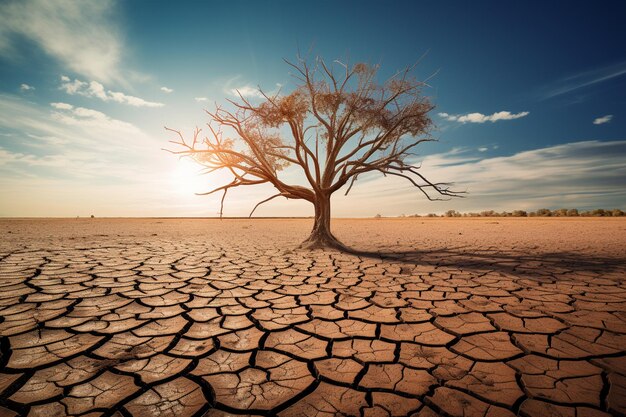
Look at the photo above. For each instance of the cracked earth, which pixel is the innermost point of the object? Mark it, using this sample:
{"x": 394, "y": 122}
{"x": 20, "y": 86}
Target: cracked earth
{"x": 450, "y": 317}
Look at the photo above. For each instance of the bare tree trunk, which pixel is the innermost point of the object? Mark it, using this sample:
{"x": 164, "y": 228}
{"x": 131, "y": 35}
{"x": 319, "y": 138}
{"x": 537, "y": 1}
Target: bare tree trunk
{"x": 321, "y": 236}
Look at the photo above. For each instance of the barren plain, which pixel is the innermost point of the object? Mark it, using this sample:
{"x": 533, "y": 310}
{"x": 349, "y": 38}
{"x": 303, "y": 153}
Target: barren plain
{"x": 434, "y": 316}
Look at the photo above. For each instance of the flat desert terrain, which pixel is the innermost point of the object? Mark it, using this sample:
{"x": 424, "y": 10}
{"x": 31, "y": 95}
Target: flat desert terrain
{"x": 466, "y": 317}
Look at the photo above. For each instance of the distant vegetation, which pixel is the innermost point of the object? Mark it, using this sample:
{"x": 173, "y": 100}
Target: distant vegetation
{"x": 522, "y": 213}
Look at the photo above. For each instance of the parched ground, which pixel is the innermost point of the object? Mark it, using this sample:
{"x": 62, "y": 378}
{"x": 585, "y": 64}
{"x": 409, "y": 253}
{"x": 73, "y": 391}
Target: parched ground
{"x": 453, "y": 317}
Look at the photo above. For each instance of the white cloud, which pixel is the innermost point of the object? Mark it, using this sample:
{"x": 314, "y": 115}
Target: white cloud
{"x": 89, "y": 118}
{"x": 81, "y": 35}
{"x": 246, "y": 91}
{"x": 97, "y": 90}
{"x": 167, "y": 90}
{"x": 483, "y": 149}
{"x": 481, "y": 118}
{"x": 26, "y": 87}
{"x": 62, "y": 106}
{"x": 603, "y": 119}
{"x": 131, "y": 100}
{"x": 72, "y": 87}
{"x": 201, "y": 99}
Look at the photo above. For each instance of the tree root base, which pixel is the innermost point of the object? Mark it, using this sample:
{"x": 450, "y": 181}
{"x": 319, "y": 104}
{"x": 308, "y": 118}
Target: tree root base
{"x": 316, "y": 241}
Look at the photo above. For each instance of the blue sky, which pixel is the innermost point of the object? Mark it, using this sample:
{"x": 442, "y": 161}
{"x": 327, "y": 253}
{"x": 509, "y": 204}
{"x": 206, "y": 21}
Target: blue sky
{"x": 531, "y": 109}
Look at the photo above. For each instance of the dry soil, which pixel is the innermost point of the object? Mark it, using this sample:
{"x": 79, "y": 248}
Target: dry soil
{"x": 193, "y": 317}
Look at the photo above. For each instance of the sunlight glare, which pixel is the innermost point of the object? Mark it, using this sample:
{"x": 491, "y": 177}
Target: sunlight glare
{"x": 187, "y": 177}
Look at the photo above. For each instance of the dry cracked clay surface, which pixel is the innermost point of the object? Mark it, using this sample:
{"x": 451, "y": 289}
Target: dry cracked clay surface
{"x": 192, "y": 317}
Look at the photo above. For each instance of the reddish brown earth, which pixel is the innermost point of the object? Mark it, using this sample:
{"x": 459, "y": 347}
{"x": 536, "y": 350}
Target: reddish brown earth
{"x": 453, "y": 317}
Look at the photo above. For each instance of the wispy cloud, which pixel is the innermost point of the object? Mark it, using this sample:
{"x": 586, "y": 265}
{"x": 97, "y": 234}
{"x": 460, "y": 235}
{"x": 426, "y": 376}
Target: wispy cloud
{"x": 582, "y": 80}
{"x": 81, "y": 116}
{"x": 481, "y": 118}
{"x": 63, "y": 132}
{"x": 26, "y": 87}
{"x": 236, "y": 86}
{"x": 45, "y": 141}
{"x": 30, "y": 160}
{"x": 167, "y": 90}
{"x": 578, "y": 174}
{"x": 201, "y": 99}
{"x": 97, "y": 90}
{"x": 65, "y": 160}
{"x": 246, "y": 91}
{"x": 81, "y": 35}
{"x": 602, "y": 120}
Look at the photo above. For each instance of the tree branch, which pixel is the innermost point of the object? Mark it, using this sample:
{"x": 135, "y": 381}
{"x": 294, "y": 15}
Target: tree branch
{"x": 265, "y": 201}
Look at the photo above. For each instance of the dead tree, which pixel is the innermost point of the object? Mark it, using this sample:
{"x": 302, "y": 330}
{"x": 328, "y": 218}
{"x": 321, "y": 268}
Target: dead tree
{"x": 337, "y": 125}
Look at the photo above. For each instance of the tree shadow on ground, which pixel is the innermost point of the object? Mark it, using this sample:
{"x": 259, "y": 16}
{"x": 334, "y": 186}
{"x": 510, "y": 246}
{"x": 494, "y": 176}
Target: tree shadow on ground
{"x": 509, "y": 262}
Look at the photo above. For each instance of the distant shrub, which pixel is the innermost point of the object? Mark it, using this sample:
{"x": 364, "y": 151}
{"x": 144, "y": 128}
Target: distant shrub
{"x": 544, "y": 212}
{"x": 560, "y": 212}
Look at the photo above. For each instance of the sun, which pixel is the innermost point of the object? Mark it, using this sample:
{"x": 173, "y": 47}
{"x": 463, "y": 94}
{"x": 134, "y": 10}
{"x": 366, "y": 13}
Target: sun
{"x": 187, "y": 177}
